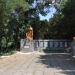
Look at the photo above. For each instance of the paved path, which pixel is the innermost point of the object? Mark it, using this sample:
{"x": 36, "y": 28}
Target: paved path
{"x": 37, "y": 64}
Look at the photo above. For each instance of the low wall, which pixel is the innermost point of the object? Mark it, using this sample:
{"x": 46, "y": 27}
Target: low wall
{"x": 51, "y": 44}
{"x": 47, "y": 44}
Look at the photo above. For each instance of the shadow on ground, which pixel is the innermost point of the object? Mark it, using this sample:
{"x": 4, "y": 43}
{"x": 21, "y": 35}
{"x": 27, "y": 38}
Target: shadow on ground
{"x": 65, "y": 64}
{"x": 54, "y": 50}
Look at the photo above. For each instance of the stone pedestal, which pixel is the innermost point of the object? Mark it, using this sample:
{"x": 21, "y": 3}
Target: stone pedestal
{"x": 26, "y": 46}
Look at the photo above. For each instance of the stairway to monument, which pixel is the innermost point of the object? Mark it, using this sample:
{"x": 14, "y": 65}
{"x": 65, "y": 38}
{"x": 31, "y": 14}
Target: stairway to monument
{"x": 27, "y": 46}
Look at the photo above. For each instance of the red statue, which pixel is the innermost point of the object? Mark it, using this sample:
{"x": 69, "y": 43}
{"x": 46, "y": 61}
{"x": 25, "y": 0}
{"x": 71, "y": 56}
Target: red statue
{"x": 29, "y": 33}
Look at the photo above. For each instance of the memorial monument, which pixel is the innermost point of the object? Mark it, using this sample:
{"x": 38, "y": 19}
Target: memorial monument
{"x": 27, "y": 43}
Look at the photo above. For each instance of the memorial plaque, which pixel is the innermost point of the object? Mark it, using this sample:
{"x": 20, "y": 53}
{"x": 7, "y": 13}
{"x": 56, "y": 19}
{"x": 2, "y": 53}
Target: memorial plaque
{"x": 26, "y": 46}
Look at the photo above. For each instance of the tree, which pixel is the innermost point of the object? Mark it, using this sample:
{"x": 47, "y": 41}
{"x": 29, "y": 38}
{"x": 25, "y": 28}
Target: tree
{"x": 11, "y": 13}
{"x": 2, "y": 18}
{"x": 63, "y": 22}
{"x": 69, "y": 18}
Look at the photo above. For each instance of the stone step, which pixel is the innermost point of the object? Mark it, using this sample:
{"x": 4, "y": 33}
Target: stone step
{"x": 25, "y": 50}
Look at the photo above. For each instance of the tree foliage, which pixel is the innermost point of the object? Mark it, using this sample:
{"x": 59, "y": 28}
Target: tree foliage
{"x": 63, "y": 22}
{"x": 69, "y": 18}
{"x": 12, "y": 23}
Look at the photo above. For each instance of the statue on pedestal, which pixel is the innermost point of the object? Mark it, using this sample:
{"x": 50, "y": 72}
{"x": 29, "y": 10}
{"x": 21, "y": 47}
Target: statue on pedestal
{"x": 29, "y": 34}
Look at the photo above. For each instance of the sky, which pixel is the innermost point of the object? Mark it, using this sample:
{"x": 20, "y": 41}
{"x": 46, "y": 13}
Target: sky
{"x": 49, "y": 15}
{"x": 50, "y": 12}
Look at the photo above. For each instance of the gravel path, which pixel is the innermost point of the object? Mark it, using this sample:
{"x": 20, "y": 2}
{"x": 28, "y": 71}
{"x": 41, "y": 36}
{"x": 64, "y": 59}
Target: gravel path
{"x": 37, "y": 64}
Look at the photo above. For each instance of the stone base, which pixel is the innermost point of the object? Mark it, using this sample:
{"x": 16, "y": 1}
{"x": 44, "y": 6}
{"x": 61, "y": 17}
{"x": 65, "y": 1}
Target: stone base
{"x": 27, "y": 46}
